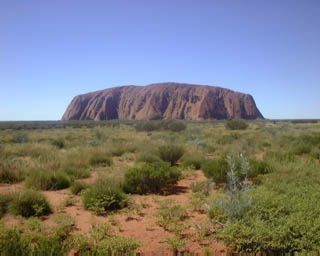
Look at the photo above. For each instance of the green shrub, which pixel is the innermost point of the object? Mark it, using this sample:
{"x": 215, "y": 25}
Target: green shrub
{"x": 58, "y": 142}
{"x": 148, "y": 158}
{"x": 258, "y": 167}
{"x": 147, "y": 126}
{"x": 29, "y": 203}
{"x": 150, "y": 178}
{"x": 77, "y": 187}
{"x": 216, "y": 169}
{"x": 175, "y": 126}
{"x": 19, "y": 241}
{"x": 236, "y": 125}
{"x": 20, "y": 138}
{"x": 116, "y": 245}
{"x": 100, "y": 160}
{"x": 42, "y": 180}
{"x": 77, "y": 173}
{"x": 170, "y": 216}
{"x": 5, "y": 199}
{"x": 170, "y": 153}
{"x": 192, "y": 160}
{"x": 202, "y": 187}
{"x": 106, "y": 195}
{"x": 10, "y": 172}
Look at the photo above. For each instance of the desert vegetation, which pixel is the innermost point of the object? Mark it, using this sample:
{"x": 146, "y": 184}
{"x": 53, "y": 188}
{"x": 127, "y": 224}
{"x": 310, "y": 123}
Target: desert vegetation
{"x": 118, "y": 188}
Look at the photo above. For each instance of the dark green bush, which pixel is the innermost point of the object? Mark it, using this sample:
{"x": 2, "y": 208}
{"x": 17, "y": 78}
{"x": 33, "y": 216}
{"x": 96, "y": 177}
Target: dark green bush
{"x": 77, "y": 187}
{"x": 170, "y": 153}
{"x": 99, "y": 160}
{"x": 216, "y": 169}
{"x": 236, "y": 125}
{"x": 29, "y": 203}
{"x": 42, "y": 180}
{"x": 106, "y": 195}
{"x": 147, "y": 126}
{"x": 174, "y": 125}
{"x": 150, "y": 178}
{"x": 58, "y": 142}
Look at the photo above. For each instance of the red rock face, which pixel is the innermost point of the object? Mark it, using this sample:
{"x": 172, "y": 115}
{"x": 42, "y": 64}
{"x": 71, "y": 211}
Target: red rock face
{"x": 162, "y": 101}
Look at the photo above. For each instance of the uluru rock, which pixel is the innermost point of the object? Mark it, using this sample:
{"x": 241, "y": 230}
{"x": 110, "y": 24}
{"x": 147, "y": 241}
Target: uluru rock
{"x": 163, "y": 101}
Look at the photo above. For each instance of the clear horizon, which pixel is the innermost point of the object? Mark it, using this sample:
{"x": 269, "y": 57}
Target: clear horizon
{"x": 51, "y": 51}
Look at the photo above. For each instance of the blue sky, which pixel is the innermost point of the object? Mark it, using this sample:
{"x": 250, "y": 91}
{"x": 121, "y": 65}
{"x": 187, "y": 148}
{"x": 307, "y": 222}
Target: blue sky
{"x": 53, "y": 50}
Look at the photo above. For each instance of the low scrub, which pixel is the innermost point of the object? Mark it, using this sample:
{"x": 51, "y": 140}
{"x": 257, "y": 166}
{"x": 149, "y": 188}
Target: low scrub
{"x": 105, "y": 195}
{"x": 78, "y": 187}
{"x": 150, "y": 178}
{"x": 41, "y": 180}
{"x": 170, "y": 153}
{"x": 5, "y": 199}
{"x": 29, "y": 203}
{"x": 165, "y": 125}
{"x": 236, "y": 125}
{"x": 10, "y": 172}
{"x": 192, "y": 160}
{"x": 216, "y": 169}
{"x": 102, "y": 160}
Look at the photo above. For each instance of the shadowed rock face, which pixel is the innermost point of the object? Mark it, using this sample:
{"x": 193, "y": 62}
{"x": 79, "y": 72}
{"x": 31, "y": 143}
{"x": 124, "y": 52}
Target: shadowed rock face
{"x": 162, "y": 101}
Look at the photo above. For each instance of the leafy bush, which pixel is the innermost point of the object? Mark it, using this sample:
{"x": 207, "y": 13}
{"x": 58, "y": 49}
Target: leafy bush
{"x": 216, "y": 169}
{"x": 29, "y": 203}
{"x": 236, "y": 125}
{"x": 102, "y": 160}
{"x": 150, "y": 178}
{"x": 42, "y": 180}
{"x": 170, "y": 153}
{"x": 106, "y": 195}
{"x": 77, "y": 187}
{"x": 5, "y": 199}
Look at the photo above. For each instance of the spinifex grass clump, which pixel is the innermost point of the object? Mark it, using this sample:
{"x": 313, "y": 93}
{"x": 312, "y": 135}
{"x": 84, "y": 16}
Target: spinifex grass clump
{"x": 29, "y": 203}
{"x": 42, "y": 180}
{"x": 78, "y": 187}
{"x": 11, "y": 171}
{"x": 105, "y": 195}
{"x": 150, "y": 178}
